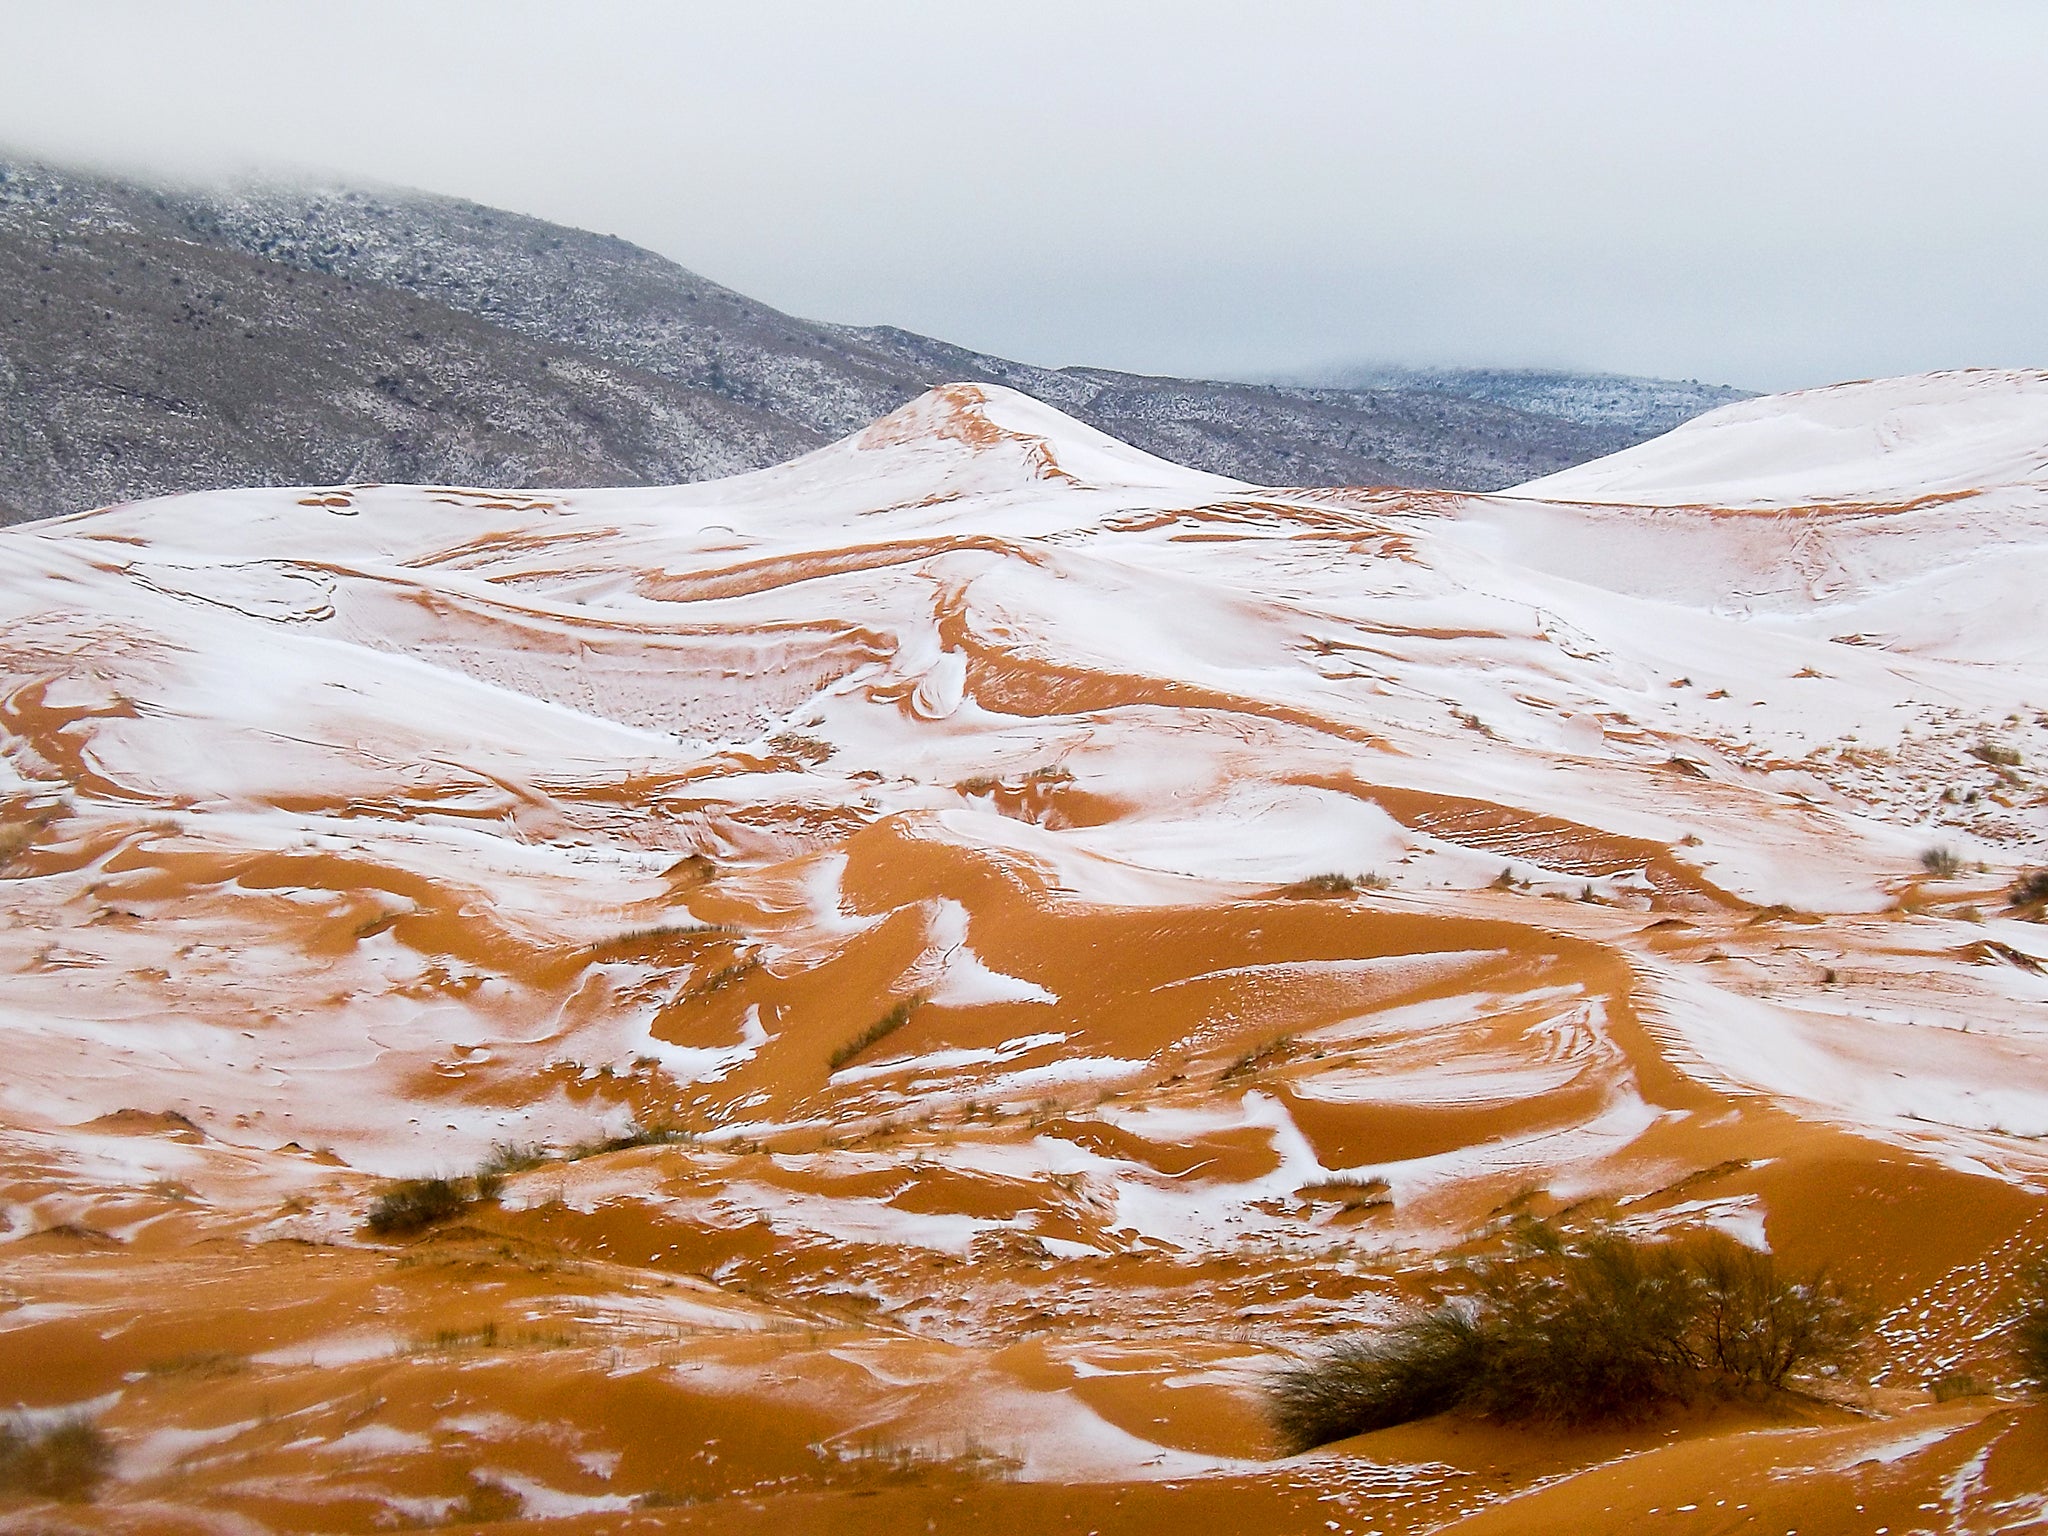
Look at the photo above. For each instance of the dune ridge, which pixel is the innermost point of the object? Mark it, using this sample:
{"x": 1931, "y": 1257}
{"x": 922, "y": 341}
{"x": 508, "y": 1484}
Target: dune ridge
{"x": 889, "y": 894}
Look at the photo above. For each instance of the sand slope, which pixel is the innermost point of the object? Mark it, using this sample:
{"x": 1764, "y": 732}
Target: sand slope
{"x": 923, "y": 836}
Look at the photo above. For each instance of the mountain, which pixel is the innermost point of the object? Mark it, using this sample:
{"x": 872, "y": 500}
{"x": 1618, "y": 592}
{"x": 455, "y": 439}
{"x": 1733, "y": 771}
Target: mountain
{"x": 955, "y": 958}
{"x": 1644, "y": 407}
{"x": 166, "y": 339}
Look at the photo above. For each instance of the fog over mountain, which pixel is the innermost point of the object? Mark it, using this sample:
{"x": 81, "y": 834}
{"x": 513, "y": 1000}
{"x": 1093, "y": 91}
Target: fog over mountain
{"x": 167, "y": 339}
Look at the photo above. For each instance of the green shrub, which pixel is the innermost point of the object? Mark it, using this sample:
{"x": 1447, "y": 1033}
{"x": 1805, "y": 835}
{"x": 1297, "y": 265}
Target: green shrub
{"x": 875, "y": 1033}
{"x": 2030, "y": 1328}
{"x": 1942, "y": 863}
{"x": 1332, "y": 884}
{"x": 65, "y": 1460}
{"x": 1415, "y": 1370}
{"x": 632, "y": 1136}
{"x": 2030, "y": 889}
{"x": 512, "y": 1157}
{"x": 411, "y": 1205}
{"x": 1602, "y": 1328}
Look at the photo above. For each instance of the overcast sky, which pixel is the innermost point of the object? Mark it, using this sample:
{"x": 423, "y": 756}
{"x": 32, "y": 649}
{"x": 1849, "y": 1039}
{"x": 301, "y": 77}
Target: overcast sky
{"x": 1770, "y": 194}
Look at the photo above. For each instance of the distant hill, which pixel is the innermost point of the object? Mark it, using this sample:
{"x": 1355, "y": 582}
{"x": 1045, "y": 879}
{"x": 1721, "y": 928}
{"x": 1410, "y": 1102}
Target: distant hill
{"x": 161, "y": 339}
{"x": 1645, "y": 406}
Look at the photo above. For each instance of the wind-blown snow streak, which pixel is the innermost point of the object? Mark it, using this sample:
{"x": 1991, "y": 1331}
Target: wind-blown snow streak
{"x": 931, "y": 829}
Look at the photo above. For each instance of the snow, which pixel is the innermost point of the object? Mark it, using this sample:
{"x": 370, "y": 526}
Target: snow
{"x": 346, "y": 789}
{"x": 1879, "y": 440}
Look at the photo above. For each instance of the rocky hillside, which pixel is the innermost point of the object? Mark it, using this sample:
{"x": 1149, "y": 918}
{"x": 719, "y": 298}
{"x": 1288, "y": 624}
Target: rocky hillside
{"x": 168, "y": 339}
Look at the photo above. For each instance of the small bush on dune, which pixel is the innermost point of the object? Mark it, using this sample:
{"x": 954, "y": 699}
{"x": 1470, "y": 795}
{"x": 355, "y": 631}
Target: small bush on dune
{"x": 513, "y": 1157}
{"x": 61, "y": 1461}
{"x": 632, "y": 1136}
{"x": 1605, "y": 1327}
{"x": 2031, "y": 889}
{"x": 411, "y": 1205}
{"x": 875, "y": 1033}
{"x": 1942, "y": 863}
{"x": 2030, "y": 1328}
{"x": 1414, "y": 1370}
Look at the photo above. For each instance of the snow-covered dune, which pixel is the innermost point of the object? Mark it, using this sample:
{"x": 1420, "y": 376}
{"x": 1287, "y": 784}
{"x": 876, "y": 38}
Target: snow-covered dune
{"x": 1883, "y": 440}
{"x": 1079, "y": 926}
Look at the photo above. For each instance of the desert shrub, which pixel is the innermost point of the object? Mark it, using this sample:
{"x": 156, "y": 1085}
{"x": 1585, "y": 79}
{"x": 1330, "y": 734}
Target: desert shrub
{"x": 1942, "y": 863}
{"x": 1353, "y": 1191}
{"x": 488, "y": 1501}
{"x": 512, "y": 1157}
{"x": 2030, "y": 1328}
{"x": 1323, "y": 885}
{"x": 1757, "y": 1328}
{"x": 1998, "y": 756}
{"x": 2030, "y": 889}
{"x": 805, "y": 749}
{"x": 632, "y": 1136}
{"x": 659, "y": 935}
{"x": 875, "y": 1033}
{"x": 1260, "y": 1057}
{"x": 1573, "y": 1334}
{"x": 1605, "y": 1327}
{"x": 1414, "y": 1370}
{"x": 410, "y": 1205}
{"x": 65, "y": 1460}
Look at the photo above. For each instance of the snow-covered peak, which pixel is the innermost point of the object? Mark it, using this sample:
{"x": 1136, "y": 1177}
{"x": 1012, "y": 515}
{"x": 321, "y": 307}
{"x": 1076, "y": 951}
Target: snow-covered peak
{"x": 1877, "y": 440}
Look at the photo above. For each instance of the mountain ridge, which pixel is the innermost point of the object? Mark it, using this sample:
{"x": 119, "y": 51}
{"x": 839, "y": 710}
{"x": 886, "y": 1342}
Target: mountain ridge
{"x": 174, "y": 339}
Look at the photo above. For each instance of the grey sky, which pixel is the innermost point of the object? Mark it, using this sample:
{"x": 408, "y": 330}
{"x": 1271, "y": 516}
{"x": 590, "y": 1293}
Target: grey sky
{"x": 1768, "y": 194}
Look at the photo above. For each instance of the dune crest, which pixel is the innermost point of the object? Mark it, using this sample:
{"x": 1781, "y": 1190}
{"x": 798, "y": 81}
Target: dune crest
{"x": 955, "y": 953}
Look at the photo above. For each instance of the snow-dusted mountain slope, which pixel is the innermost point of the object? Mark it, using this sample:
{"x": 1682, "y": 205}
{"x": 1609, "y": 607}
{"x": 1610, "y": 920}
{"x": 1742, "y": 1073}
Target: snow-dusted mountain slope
{"x": 175, "y": 338}
{"x": 937, "y": 838}
{"x": 1647, "y": 406}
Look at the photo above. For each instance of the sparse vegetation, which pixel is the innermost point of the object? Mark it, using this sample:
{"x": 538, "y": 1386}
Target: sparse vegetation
{"x": 487, "y": 1502}
{"x": 875, "y": 1033}
{"x": 1259, "y": 1056}
{"x": 1322, "y": 885}
{"x": 1335, "y": 884}
{"x": 413, "y": 1205}
{"x": 805, "y": 749}
{"x": 483, "y": 1336}
{"x": 512, "y": 1157}
{"x": 1574, "y": 1331}
{"x": 203, "y": 1365}
{"x": 1353, "y": 1191}
{"x": 65, "y": 1460}
{"x": 2030, "y": 890}
{"x": 632, "y": 1136}
{"x": 2030, "y": 1328}
{"x": 1942, "y": 863}
{"x": 657, "y": 935}
{"x": 1999, "y": 757}
{"x": 724, "y": 977}
{"x": 988, "y": 784}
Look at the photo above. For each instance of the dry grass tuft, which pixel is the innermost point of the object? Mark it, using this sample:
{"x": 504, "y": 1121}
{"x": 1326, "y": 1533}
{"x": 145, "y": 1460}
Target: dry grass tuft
{"x": 875, "y": 1033}
{"x": 65, "y": 1460}
{"x": 2030, "y": 1328}
{"x": 1605, "y": 1327}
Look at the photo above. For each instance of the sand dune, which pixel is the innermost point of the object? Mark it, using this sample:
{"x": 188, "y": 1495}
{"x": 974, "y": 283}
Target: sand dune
{"x": 924, "y": 837}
